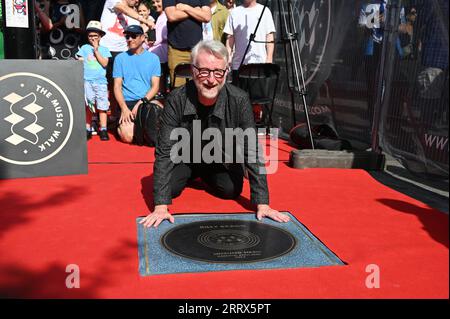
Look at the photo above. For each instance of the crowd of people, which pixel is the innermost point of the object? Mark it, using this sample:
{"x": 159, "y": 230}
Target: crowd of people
{"x": 119, "y": 72}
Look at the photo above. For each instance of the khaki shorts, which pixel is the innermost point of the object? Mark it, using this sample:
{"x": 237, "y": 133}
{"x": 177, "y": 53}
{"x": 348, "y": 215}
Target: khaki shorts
{"x": 175, "y": 57}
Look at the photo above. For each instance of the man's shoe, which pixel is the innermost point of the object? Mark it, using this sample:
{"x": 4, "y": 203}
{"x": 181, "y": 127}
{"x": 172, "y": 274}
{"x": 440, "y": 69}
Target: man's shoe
{"x": 88, "y": 135}
{"x": 103, "y": 135}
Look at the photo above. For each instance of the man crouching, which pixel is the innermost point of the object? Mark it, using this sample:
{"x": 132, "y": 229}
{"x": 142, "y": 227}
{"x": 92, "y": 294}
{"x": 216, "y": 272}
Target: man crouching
{"x": 205, "y": 104}
{"x": 136, "y": 75}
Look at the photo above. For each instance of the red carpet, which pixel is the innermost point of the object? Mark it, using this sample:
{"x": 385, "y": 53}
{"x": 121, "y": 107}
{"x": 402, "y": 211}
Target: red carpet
{"x": 49, "y": 223}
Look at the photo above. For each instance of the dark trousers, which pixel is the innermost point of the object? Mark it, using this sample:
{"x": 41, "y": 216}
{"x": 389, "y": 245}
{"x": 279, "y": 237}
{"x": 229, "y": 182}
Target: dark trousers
{"x": 222, "y": 182}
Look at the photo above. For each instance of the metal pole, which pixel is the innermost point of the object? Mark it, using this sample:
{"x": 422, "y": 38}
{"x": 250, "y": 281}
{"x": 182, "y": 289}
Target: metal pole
{"x": 389, "y": 38}
{"x": 299, "y": 79}
{"x": 282, "y": 32}
{"x": 302, "y": 88}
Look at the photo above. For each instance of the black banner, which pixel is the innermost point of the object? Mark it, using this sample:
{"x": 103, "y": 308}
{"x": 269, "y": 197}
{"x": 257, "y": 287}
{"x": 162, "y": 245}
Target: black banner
{"x": 315, "y": 25}
{"x": 42, "y": 116}
{"x": 415, "y": 109}
{"x": 2, "y": 47}
{"x": 18, "y": 27}
{"x": 340, "y": 46}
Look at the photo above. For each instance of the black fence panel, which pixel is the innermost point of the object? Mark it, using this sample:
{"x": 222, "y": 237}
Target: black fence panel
{"x": 332, "y": 57}
{"x": 358, "y": 56}
{"x": 414, "y": 112}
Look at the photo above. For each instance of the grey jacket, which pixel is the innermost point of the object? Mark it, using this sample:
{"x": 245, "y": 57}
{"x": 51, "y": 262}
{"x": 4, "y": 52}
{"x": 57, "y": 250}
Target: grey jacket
{"x": 232, "y": 110}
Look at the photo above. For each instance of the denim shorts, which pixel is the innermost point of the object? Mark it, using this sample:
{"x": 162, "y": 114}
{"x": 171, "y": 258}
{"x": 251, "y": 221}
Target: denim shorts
{"x": 96, "y": 95}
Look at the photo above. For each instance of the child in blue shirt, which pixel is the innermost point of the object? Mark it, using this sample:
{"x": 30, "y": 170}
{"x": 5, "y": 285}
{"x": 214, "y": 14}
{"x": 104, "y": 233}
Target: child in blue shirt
{"x": 95, "y": 60}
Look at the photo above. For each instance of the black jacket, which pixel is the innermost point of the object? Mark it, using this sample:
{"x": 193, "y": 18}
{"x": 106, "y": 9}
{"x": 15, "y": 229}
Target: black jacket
{"x": 232, "y": 110}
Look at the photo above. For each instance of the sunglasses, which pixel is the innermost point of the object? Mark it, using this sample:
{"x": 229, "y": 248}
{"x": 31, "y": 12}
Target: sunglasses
{"x": 132, "y": 36}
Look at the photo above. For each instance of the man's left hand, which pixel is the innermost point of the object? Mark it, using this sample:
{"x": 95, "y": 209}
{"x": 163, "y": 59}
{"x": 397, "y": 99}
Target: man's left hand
{"x": 136, "y": 108}
{"x": 265, "y": 211}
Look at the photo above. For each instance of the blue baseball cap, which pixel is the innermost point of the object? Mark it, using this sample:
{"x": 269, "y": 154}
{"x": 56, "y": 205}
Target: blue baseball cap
{"x": 136, "y": 29}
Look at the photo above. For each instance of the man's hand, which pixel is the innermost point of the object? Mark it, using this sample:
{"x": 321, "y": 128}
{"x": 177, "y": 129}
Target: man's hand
{"x": 135, "y": 108}
{"x": 182, "y": 6}
{"x": 160, "y": 213}
{"x": 265, "y": 211}
{"x": 200, "y": 14}
{"x": 126, "y": 116}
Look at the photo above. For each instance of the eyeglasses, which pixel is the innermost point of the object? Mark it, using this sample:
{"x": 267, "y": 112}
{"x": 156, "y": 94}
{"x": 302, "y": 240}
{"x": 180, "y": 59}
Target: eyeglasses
{"x": 132, "y": 36}
{"x": 204, "y": 72}
{"x": 93, "y": 36}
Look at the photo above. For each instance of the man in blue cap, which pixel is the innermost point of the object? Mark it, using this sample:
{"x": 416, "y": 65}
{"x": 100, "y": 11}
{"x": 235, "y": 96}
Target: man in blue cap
{"x": 136, "y": 75}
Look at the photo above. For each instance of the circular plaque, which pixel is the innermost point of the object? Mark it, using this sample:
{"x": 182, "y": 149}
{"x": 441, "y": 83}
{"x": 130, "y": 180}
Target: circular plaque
{"x": 228, "y": 241}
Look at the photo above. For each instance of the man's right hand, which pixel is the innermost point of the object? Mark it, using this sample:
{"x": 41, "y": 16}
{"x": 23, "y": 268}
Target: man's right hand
{"x": 160, "y": 213}
{"x": 126, "y": 116}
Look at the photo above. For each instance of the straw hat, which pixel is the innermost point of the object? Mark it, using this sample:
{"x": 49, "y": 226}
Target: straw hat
{"x": 95, "y": 26}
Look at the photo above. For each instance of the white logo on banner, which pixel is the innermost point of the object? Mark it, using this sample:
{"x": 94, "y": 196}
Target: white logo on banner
{"x": 72, "y": 13}
{"x": 40, "y": 118}
{"x": 314, "y": 30}
{"x": 23, "y": 119}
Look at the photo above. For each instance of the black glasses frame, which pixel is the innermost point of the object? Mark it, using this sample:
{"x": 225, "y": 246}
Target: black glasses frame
{"x": 204, "y": 72}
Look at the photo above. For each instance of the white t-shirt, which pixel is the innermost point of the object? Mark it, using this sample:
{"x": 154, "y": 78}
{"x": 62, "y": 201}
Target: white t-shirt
{"x": 114, "y": 24}
{"x": 241, "y": 24}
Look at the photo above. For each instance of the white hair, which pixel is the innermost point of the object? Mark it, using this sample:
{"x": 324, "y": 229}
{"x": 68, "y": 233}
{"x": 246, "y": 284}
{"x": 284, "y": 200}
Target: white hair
{"x": 211, "y": 46}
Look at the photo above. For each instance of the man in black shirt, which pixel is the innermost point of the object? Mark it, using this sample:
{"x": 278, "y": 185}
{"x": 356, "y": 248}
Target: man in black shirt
{"x": 184, "y": 29}
{"x": 202, "y": 113}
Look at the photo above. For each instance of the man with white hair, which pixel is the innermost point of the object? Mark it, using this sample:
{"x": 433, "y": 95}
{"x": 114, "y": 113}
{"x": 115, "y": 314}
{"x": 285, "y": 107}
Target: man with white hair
{"x": 208, "y": 104}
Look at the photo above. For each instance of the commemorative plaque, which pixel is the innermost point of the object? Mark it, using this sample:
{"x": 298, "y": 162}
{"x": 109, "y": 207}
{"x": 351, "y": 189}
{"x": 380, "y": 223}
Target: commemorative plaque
{"x": 228, "y": 241}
